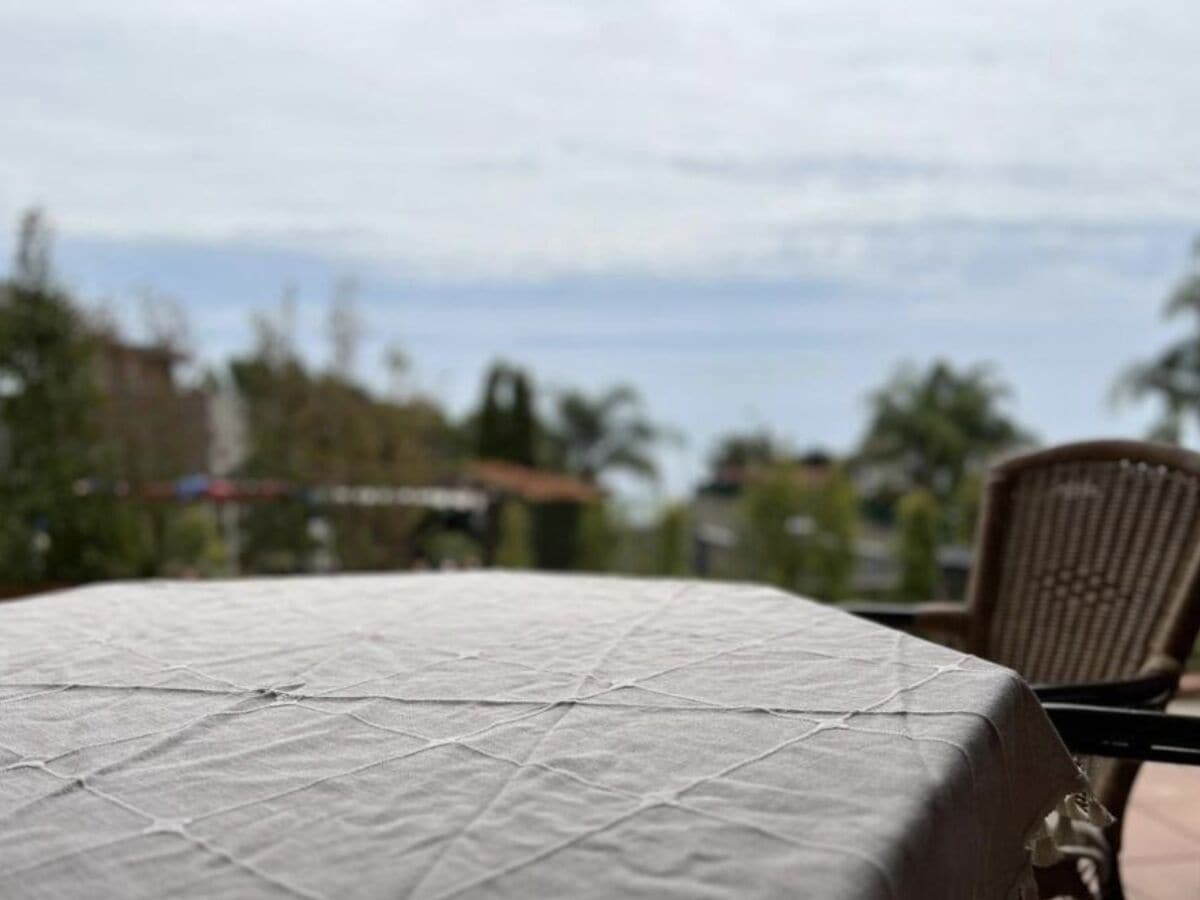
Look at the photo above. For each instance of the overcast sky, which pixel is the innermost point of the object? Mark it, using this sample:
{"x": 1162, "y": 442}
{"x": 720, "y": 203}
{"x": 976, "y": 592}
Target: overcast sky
{"x": 752, "y": 211}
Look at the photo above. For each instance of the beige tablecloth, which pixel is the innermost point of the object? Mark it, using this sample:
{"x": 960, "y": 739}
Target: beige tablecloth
{"x": 504, "y": 735}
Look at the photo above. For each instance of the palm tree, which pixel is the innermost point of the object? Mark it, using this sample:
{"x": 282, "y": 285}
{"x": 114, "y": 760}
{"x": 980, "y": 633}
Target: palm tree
{"x": 1174, "y": 375}
{"x": 931, "y": 428}
{"x": 599, "y": 434}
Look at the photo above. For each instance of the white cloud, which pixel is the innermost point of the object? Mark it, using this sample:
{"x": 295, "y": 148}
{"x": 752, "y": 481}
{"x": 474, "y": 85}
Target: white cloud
{"x": 489, "y": 139}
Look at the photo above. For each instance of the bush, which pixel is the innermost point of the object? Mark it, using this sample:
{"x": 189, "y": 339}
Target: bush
{"x": 192, "y": 543}
{"x": 670, "y": 542}
{"x": 830, "y": 559}
{"x": 772, "y": 503}
{"x": 597, "y": 539}
{"x": 919, "y": 519}
{"x": 515, "y": 548}
{"x": 802, "y": 534}
{"x": 968, "y": 503}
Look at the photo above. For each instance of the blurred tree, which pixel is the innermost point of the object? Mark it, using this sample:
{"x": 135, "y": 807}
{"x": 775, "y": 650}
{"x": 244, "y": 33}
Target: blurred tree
{"x": 345, "y": 328}
{"x": 833, "y": 506}
{"x": 32, "y": 267}
{"x": 929, "y": 428}
{"x": 49, "y": 402}
{"x": 593, "y": 436}
{"x": 746, "y": 449}
{"x": 598, "y": 538}
{"x": 275, "y": 331}
{"x": 450, "y": 548}
{"x": 399, "y": 367}
{"x": 274, "y": 538}
{"x": 671, "y": 541}
{"x": 165, "y": 323}
{"x": 966, "y": 508}
{"x": 774, "y": 505}
{"x": 801, "y": 528}
{"x": 917, "y": 543}
{"x": 515, "y": 547}
{"x": 193, "y": 544}
{"x": 274, "y": 386}
{"x": 325, "y": 428}
{"x": 1172, "y": 377}
{"x": 524, "y": 428}
{"x": 507, "y": 424}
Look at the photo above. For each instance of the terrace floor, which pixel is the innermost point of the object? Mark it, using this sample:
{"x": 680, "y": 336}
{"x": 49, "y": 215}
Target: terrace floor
{"x": 1160, "y": 859}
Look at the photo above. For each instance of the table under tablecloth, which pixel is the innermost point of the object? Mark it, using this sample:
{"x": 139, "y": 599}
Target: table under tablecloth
{"x": 505, "y": 735}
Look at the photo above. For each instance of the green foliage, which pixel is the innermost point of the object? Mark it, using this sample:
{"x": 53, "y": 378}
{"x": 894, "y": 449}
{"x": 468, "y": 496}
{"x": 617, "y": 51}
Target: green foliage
{"x": 917, "y": 543}
{"x": 275, "y": 538}
{"x": 773, "y": 504}
{"x": 593, "y": 436}
{"x": 801, "y": 531}
{"x": 1173, "y": 376}
{"x": 671, "y": 541}
{"x": 192, "y": 543}
{"x": 966, "y": 508}
{"x": 833, "y": 506}
{"x": 451, "y": 548}
{"x": 508, "y": 428}
{"x": 598, "y": 538}
{"x": 48, "y": 403}
{"x": 514, "y": 549}
{"x": 524, "y": 424}
{"x": 322, "y": 428}
{"x": 746, "y": 449}
{"x": 33, "y": 268}
{"x": 929, "y": 429}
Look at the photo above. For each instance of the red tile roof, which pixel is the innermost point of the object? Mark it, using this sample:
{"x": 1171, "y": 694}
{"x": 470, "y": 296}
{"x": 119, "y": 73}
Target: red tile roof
{"x": 533, "y": 485}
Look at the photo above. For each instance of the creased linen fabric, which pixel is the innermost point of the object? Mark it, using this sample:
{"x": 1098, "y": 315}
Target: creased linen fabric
{"x": 504, "y": 735}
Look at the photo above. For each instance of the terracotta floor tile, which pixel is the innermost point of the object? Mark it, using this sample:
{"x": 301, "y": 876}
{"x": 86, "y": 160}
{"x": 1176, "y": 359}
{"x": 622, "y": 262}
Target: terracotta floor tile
{"x": 1163, "y": 880}
{"x": 1148, "y": 837}
{"x": 1161, "y": 855}
{"x": 1172, "y": 795}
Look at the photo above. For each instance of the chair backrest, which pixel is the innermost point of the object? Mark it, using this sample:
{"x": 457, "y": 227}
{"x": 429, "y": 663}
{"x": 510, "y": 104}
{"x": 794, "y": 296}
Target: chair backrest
{"x": 1088, "y": 568}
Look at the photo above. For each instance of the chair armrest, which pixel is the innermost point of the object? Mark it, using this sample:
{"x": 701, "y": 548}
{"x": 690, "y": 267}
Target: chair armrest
{"x": 1127, "y": 733}
{"x": 936, "y": 618}
{"x": 1150, "y": 691}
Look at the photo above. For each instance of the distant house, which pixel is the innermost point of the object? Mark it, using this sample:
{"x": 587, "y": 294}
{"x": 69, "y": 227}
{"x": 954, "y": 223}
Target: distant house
{"x": 530, "y": 484}
{"x": 136, "y": 369}
{"x": 156, "y": 427}
{"x": 555, "y": 501}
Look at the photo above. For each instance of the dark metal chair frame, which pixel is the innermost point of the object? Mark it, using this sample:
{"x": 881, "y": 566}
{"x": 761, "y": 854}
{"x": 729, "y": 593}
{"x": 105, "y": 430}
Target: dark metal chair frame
{"x": 1127, "y": 733}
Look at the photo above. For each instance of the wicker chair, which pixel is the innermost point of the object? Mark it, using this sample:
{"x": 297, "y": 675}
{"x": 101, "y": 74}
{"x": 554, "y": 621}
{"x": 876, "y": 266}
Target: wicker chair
{"x": 1087, "y": 582}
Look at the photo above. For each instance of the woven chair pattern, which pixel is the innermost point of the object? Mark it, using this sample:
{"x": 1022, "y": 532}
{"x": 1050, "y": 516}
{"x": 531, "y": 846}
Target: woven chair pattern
{"x": 1088, "y": 568}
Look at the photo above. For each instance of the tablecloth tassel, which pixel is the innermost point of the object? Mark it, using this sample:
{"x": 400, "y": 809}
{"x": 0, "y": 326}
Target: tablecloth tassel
{"x": 1083, "y": 807}
{"x": 1057, "y": 828}
{"x": 1043, "y": 847}
{"x": 1064, "y": 830}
